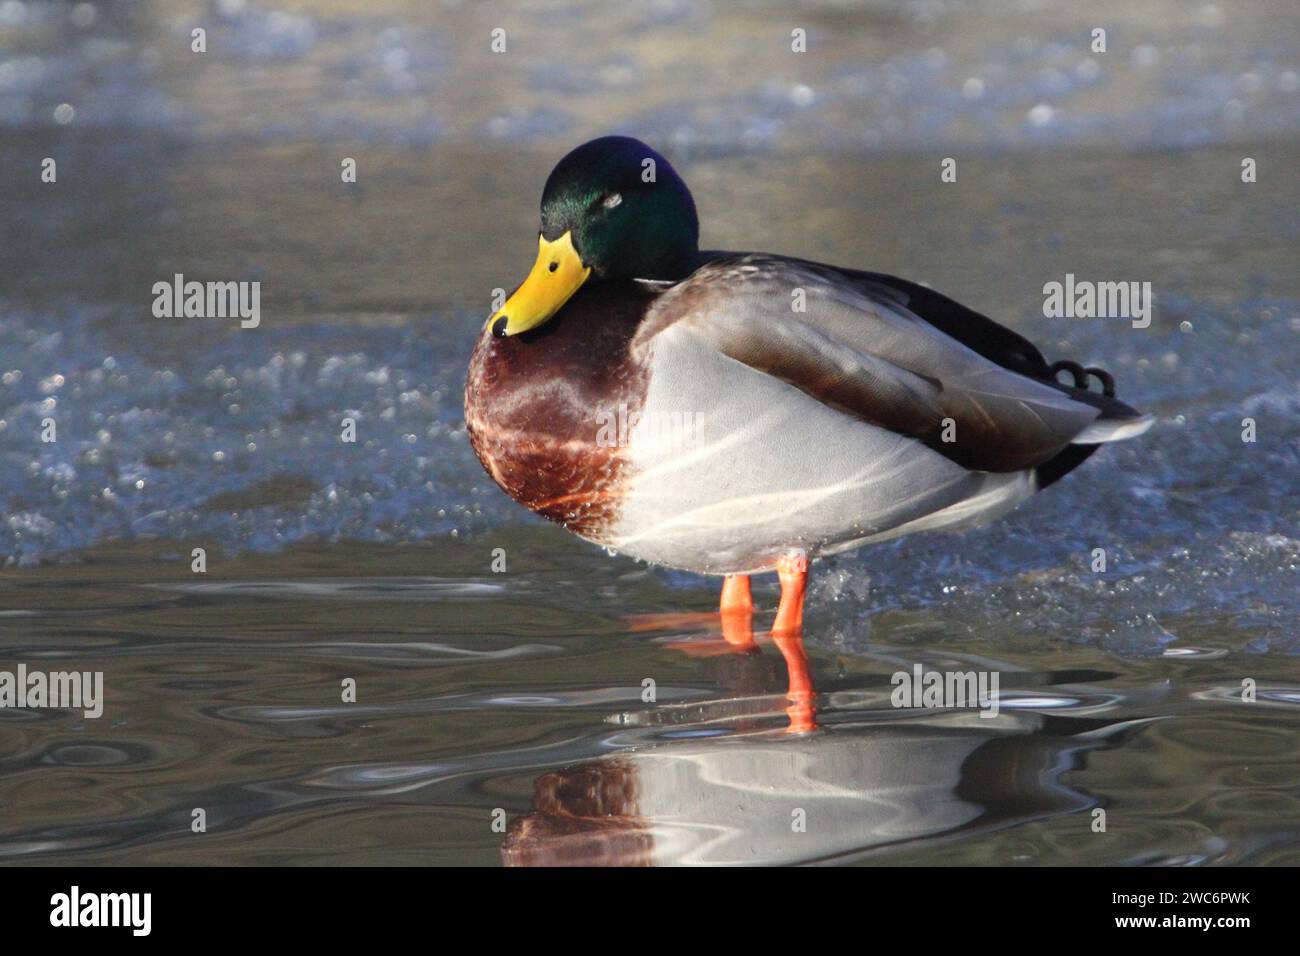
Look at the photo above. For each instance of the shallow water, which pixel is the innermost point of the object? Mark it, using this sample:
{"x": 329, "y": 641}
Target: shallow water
{"x": 522, "y": 691}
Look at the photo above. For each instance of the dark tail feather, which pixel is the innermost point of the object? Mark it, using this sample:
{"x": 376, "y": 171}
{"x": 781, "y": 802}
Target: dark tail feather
{"x": 1066, "y": 460}
{"x": 1072, "y": 456}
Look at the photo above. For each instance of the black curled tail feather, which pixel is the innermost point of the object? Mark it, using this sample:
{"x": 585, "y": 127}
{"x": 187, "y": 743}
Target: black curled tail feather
{"x": 1072, "y": 456}
{"x": 1081, "y": 376}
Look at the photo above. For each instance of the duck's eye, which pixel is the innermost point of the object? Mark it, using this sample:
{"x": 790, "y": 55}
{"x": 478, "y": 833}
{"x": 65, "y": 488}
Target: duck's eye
{"x": 612, "y": 200}
{"x": 553, "y": 266}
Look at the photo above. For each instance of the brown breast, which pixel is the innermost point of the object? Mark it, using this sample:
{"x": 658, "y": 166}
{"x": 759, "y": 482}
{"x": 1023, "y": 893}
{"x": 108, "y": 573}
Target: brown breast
{"x": 539, "y": 407}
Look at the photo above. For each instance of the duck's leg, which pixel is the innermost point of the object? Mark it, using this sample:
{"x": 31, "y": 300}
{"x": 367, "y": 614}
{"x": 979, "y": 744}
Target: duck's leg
{"x": 736, "y": 595}
{"x": 737, "y": 611}
{"x": 792, "y": 570}
{"x": 787, "y": 635}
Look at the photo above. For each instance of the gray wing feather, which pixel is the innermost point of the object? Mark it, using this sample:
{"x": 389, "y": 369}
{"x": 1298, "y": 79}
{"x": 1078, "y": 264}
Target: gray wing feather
{"x": 857, "y": 348}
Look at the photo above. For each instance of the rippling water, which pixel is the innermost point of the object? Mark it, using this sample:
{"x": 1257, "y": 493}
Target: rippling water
{"x": 501, "y": 716}
{"x": 524, "y": 693}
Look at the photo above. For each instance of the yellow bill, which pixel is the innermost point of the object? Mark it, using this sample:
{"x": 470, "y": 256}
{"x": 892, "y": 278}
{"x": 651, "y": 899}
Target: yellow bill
{"x": 557, "y": 274}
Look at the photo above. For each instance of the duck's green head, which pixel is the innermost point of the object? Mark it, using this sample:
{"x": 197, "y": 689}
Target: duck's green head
{"x": 612, "y": 209}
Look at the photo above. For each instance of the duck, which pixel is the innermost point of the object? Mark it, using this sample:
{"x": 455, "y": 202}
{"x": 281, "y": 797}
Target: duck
{"x": 737, "y": 413}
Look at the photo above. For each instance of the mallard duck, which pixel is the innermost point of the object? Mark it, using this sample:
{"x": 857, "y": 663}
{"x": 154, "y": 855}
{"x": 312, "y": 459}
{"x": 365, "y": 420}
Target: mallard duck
{"x": 733, "y": 413}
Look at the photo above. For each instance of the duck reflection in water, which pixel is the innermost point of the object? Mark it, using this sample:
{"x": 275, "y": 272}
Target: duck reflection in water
{"x": 871, "y": 778}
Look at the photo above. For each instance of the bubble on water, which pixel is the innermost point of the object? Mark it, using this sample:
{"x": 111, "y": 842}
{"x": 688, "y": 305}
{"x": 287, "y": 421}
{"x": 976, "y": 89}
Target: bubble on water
{"x": 1041, "y": 115}
{"x": 802, "y": 94}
